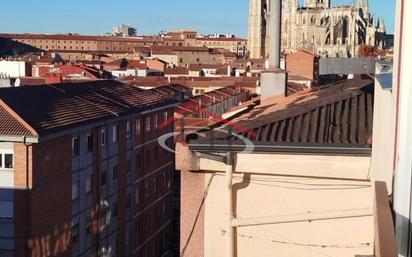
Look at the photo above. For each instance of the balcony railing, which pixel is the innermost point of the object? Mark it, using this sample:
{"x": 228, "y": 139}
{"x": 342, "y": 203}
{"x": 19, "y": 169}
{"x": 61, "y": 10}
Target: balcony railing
{"x": 385, "y": 242}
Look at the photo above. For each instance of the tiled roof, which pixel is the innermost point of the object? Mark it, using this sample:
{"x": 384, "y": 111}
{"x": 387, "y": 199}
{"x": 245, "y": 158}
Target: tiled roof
{"x": 48, "y": 109}
{"x": 236, "y": 39}
{"x": 337, "y": 114}
{"x": 176, "y": 71}
{"x": 11, "y": 126}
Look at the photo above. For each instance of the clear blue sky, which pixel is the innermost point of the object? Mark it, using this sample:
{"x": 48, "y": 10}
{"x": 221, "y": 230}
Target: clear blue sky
{"x": 150, "y": 17}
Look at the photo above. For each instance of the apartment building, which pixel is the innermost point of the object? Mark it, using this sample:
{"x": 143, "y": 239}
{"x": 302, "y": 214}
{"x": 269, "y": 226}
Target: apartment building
{"x": 82, "y": 173}
{"x": 232, "y": 44}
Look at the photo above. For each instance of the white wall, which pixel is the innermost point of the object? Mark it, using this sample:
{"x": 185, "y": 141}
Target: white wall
{"x": 14, "y": 69}
{"x": 403, "y": 90}
{"x": 6, "y": 175}
{"x": 272, "y": 190}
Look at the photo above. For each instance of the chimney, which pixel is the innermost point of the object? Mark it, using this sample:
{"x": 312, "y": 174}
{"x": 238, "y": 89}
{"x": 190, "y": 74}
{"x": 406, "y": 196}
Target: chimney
{"x": 274, "y": 79}
{"x": 229, "y": 70}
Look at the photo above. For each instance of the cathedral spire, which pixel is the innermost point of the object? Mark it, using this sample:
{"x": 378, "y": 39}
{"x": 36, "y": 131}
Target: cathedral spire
{"x": 381, "y": 27}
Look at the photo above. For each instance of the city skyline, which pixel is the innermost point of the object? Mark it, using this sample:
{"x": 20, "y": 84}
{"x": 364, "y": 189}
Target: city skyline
{"x": 149, "y": 18}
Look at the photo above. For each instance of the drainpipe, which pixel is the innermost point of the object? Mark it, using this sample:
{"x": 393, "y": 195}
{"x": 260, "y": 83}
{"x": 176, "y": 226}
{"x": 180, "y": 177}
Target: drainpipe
{"x": 230, "y": 242}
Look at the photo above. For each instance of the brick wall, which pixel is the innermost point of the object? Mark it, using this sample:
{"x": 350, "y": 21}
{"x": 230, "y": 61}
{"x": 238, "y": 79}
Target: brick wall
{"x": 50, "y": 198}
{"x": 303, "y": 64}
{"x": 22, "y": 225}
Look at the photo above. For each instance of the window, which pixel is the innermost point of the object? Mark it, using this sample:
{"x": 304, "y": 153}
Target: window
{"x": 129, "y": 166}
{"x": 114, "y": 133}
{"x": 138, "y": 127}
{"x": 75, "y": 146}
{"x": 75, "y": 190}
{"x": 147, "y": 124}
{"x": 103, "y": 137}
{"x": 155, "y": 121}
{"x": 146, "y": 190}
{"x": 88, "y": 227}
{"x": 164, "y": 207}
{"x": 88, "y": 184}
{"x": 128, "y": 129}
{"x": 75, "y": 232}
{"x": 129, "y": 201}
{"x": 154, "y": 185}
{"x": 89, "y": 140}
{"x": 114, "y": 210}
{"x": 165, "y": 117}
{"x": 164, "y": 179}
{"x": 136, "y": 196}
{"x": 114, "y": 172}
{"x": 7, "y": 161}
{"x": 104, "y": 178}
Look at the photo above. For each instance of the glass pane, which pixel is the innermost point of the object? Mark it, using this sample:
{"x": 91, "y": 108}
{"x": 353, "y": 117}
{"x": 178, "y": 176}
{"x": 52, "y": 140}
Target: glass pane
{"x": 1, "y": 161}
{"x": 8, "y": 161}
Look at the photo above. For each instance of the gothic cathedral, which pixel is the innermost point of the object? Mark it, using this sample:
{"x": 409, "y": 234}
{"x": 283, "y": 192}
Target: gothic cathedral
{"x": 317, "y": 27}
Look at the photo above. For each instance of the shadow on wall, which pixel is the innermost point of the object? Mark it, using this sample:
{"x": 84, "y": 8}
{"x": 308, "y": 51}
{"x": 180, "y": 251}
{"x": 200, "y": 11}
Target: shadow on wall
{"x": 404, "y": 234}
{"x": 10, "y": 47}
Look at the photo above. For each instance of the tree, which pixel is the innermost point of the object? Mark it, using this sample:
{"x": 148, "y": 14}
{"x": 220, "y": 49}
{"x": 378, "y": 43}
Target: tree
{"x": 367, "y": 51}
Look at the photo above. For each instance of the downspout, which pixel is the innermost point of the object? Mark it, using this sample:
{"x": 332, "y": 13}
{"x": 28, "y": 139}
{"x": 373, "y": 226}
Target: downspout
{"x": 230, "y": 241}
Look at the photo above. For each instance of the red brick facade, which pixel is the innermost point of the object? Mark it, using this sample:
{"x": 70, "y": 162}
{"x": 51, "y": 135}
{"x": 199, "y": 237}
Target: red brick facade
{"x": 303, "y": 64}
{"x": 43, "y": 213}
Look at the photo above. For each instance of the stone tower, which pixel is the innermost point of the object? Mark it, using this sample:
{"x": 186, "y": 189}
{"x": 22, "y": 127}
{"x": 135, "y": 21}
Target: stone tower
{"x": 258, "y": 24}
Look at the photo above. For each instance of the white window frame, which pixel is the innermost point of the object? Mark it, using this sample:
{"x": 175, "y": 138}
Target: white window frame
{"x": 75, "y": 150}
{"x": 147, "y": 124}
{"x": 89, "y": 137}
{"x": 103, "y": 137}
{"x": 3, "y": 153}
{"x": 128, "y": 129}
{"x": 75, "y": 191}
{"x": 155, "y": 121}
{"x": 114, "y": 134}
{"x": 88, "y": 184}
{"x": 138, "y": 127}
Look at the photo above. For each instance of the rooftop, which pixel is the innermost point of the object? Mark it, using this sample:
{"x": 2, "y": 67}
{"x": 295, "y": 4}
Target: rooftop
{"x": 40, "y": 110}
{"x": 337, "y": 114}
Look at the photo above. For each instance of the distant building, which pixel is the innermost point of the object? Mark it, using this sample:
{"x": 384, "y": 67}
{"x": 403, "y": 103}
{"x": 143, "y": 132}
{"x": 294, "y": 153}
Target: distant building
{"x": 77, "y": 47}
{"x": 232, "y": 44}
{"x": 124, "y": 31}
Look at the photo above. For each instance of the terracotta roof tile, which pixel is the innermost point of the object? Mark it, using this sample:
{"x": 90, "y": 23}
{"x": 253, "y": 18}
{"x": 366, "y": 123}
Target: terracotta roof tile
{"x": 11, "y": 126}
